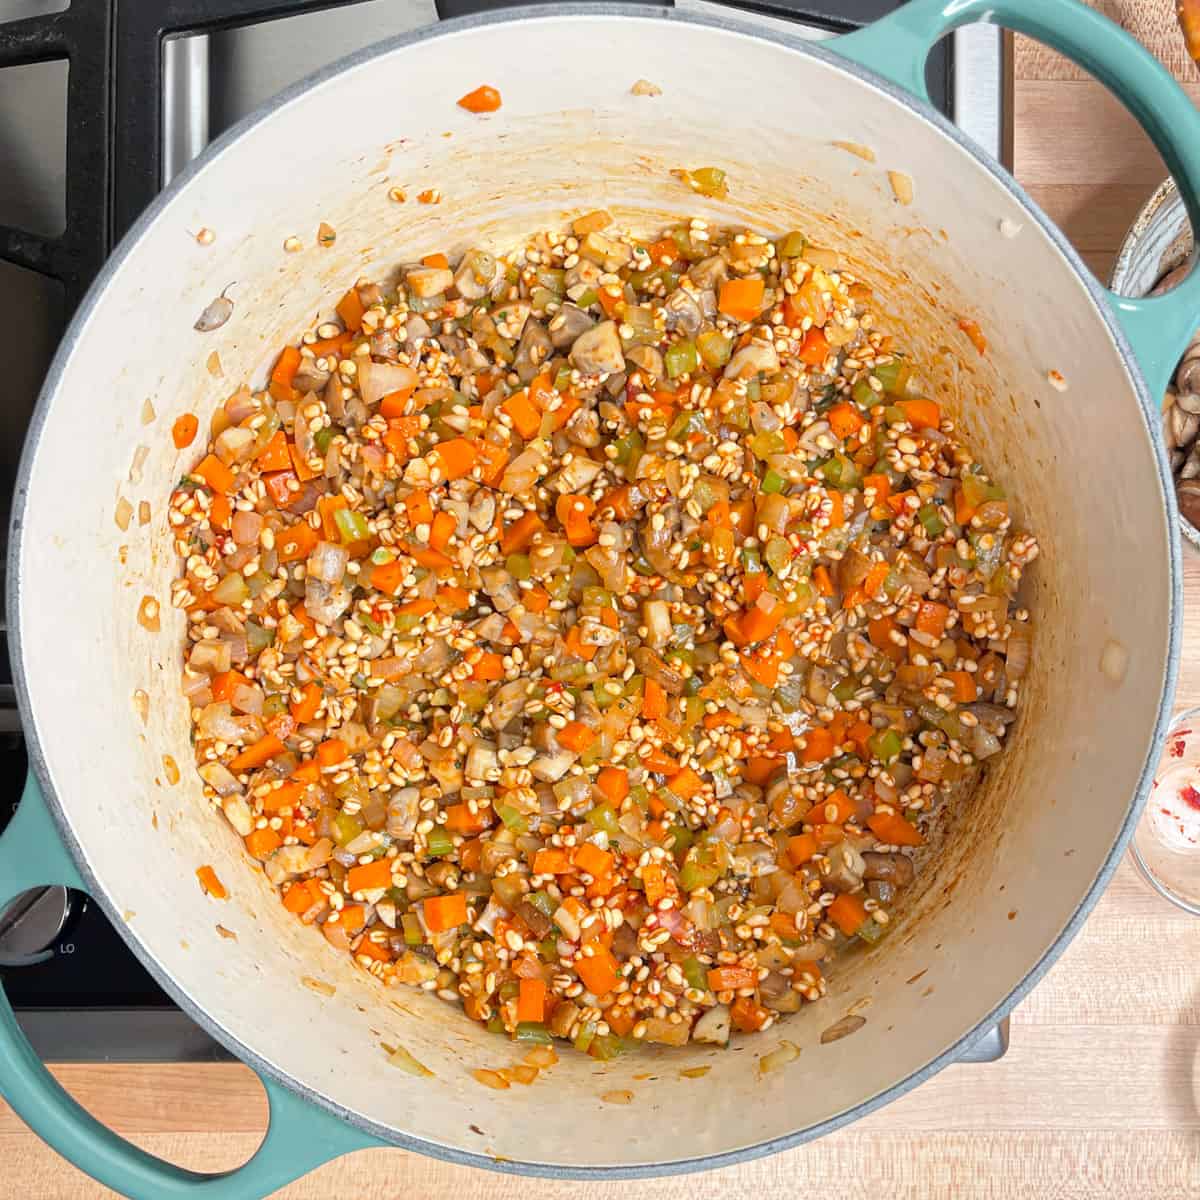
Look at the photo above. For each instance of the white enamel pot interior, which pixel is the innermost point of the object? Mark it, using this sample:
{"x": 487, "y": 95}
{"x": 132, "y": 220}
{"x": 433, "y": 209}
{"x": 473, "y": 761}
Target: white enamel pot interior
{"x": 1020, "y": 861}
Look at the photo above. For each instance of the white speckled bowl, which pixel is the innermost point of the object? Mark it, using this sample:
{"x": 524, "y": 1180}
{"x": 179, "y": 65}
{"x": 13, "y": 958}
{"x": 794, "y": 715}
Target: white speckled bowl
{"x": 1158, "y": 241}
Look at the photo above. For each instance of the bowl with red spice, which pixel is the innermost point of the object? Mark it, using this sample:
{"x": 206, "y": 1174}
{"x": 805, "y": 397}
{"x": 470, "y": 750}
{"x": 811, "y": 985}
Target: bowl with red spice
{"x": 1166, "y": 846}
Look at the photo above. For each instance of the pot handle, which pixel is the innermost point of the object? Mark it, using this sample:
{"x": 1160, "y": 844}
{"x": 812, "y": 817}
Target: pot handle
{"x": 300, "y": 1136}
{"x": 896, "y": 47}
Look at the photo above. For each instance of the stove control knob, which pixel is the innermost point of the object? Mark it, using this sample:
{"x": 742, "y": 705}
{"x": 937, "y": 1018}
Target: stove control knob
{"x": 31, "y": 923}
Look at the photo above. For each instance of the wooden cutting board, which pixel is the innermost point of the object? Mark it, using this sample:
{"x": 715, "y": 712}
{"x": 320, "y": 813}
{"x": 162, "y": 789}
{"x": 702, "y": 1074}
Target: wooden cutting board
{"x": 1099, "y": 1094}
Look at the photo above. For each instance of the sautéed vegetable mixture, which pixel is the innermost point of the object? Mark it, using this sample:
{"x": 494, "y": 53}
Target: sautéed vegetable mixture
{"x": 593, "y": 635}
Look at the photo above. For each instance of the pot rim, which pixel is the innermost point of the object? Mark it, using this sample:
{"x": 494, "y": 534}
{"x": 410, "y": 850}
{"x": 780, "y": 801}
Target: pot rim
{"x": 37, "y": 758}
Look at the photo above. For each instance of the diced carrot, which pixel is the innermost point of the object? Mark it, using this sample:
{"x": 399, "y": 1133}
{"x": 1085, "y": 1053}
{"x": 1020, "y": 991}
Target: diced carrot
{"x": 876, "y": 577}
{"x": 521, "y": 411}
{"x": 759, "y": 769}
{"x": 225, "y": 683}
{"x": 350, "y": 309}
{"x": 818, "y": 746}
{"x": 483, "y": 99}
{"x": 932, "y": 618}
{"x": 621, "y": 1020}
{"x": 331, "y": 752}
{"x": 837, "y": 513}
{"x": 261, "y": 843}
{"x": 614, "y": 783}
{"x": 309, "y": 771}
{"x": 822, "y": 580}
{"x": 575, "y": 515}
{"x": 491, "y": 461}
{"x": 654, "y": 700}
{"x": 520, "y": 533}
{"x": 894, "y": 830}
{"x": 963, "y": 509}
{"x": 455, "y": 457}
{"x": 761, "y": 667}
{"x": 394, "y": 406}
{"x": 257, "y": 755}
{"x": 352, "y": 917}
{"x": 436, "y": 260}
{"x": 279, "y": 487}
{"x": 730, "y": 978}
{"x": 295, "y": 542}
{"x": 460, "y": 819}
{"x": 899, "y": 502}
{"x": 882, "y": 485}
{"x": 301, "y": 896}
{"x": 663, "y": 251}
{"x": 836, "y": 809}
{"x": 574, "y": 645}
{"x": 551, "y": 861}
{"x": 576, "y": 736}
{"x": 531, "y": 1000}
{"x": 686, "y": 783}
{"x": 965, "y": 690}
{"x": 801, "y": 848}
{"x": 445, "y": 912}
{"x": 287, "y": 795}
{"x": 784, "y": 924}
{"x": 220, "y": 512}
{"x": 654, "y": 882}
{"x": 216, "y": 474}
{"x": 286, "y": 366}
{"x": 537, "y": 599}
{"x": 921, "y": 413}
{"x": 814, "y": 350}
{"x": 399, "y": 432}
{"x": 389, "y": 577}
{"x": 183, "y": 432}
{"x": 748, "y": 1015}
{"x": 590, "y": 858}
{"x": 434, "y": 559}
{"x": 610, "y": 304}
{"x": 858, "y": 733}
{"x": 442, "y": 529}
{"x": 275, "y": 456}
{"x": 828, "y": 835}
{"x": 598, "y": 972}
{"x": 305, "y": 709}
{"x": 369, "y": 876}
{"x": 742, "y": 299}
{"x": 372, "y": 950}
{"x": 972, "y": 330}
{"x": 847, "y": 913}
{"x": 470, "y": 855}
{"x": 489, "y": 667}
{"x": 210, "y": 884}
{"x": 753, "y": 586}
{"x": 324, "y": 347}
{"x": 761, "y": 619}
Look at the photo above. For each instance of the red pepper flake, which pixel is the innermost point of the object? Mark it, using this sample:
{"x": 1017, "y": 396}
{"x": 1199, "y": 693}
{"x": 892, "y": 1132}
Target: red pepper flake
{"x": 1177, "y": 748}
{"x": 1190, "y": 797}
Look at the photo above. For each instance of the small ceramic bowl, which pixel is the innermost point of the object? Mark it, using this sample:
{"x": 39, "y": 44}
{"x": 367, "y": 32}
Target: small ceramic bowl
{"x": 1158, "y": 241}
{"x": 1166, "y": 844}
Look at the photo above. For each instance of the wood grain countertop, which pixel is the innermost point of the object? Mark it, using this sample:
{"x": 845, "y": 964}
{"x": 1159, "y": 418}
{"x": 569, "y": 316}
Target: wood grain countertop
{"x": 1099, "y": 1094}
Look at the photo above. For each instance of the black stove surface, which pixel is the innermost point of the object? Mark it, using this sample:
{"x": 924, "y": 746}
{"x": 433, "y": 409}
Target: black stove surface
{"x": 80, "y": 993}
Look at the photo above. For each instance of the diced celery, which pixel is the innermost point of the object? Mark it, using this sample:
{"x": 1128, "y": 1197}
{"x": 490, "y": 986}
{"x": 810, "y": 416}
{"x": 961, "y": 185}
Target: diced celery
{"x": 931, "y": 520}
{"x": 893, "y": 375}
{"x": 603, "y": 817}
{"x": 543, "y": 902}
{"x": 681, "y": 358}
{"x": 439, "y": 843}
{"x": 772, "y": 482}
{"x": 517, "y": 565}
{"x": 352, "y": 526}
{"x": 323, "y": 437}
{"x": 714, "y": 348}
{"x": 412, "y": 929}
{"x": 885, "y": 745}
{"x": 791, "y": 245}
{"x": 512, "y": 818}
{"x": 763, "y": 445}
{"x": 346, "y": 827}
{"x": 695, "y": 972}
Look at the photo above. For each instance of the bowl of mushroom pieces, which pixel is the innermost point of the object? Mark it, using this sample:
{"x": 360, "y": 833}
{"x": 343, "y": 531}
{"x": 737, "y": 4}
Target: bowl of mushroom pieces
{"x": 1153, "y": 258}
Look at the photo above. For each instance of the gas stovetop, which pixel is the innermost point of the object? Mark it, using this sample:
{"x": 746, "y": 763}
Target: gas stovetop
{"x": 150, "y": 82}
